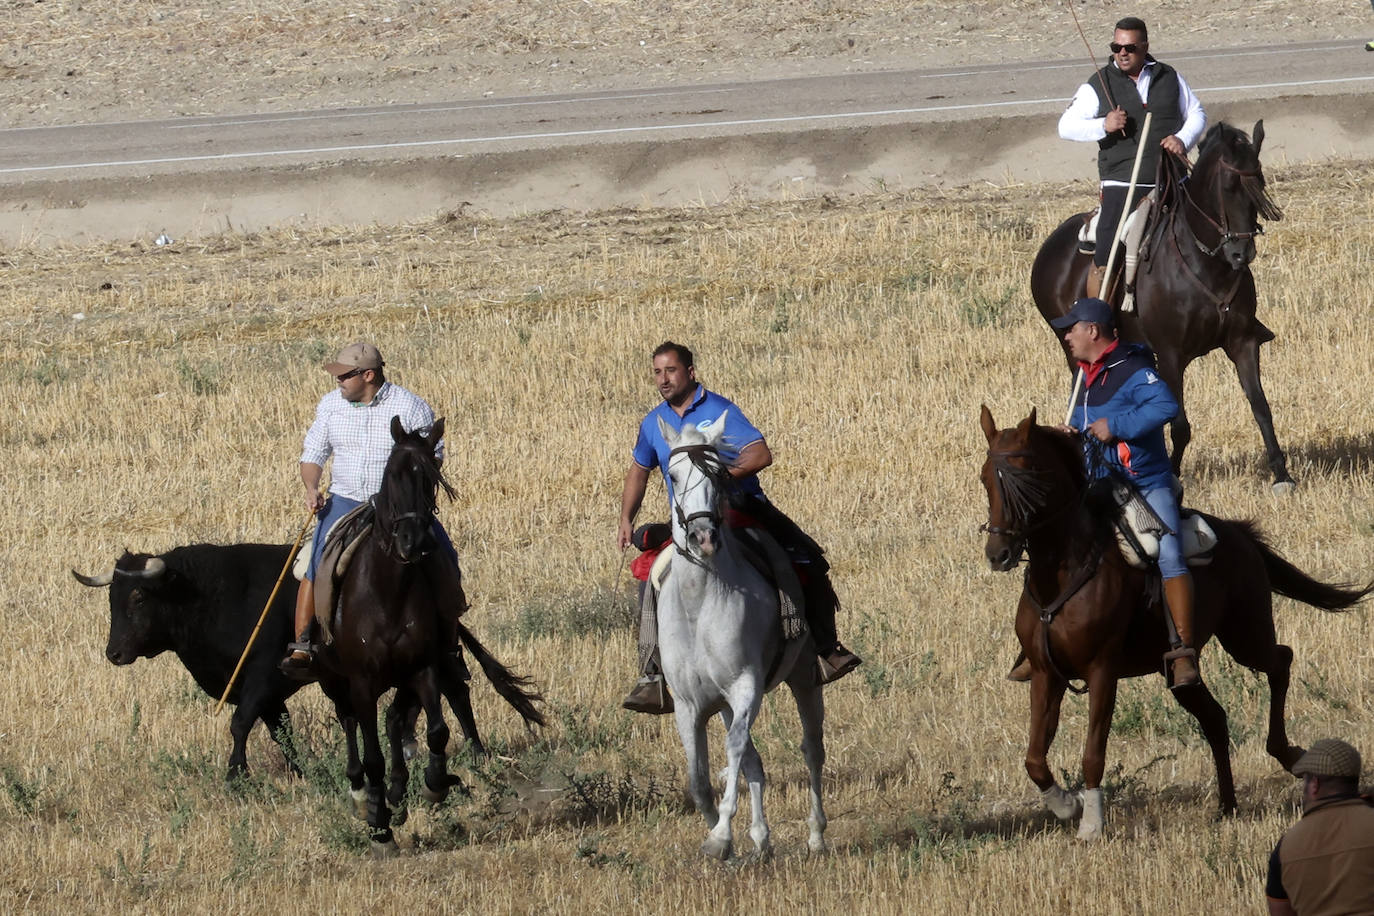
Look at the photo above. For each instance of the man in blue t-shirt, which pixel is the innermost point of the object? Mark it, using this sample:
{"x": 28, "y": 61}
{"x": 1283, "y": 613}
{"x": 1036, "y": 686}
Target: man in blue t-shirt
{"x": 746, "y": 453}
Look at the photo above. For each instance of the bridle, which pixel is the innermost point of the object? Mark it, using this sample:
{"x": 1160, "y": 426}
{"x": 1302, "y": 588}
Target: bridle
{"x": 1024, "y": 493}
{"x": 706, "y": 459}
{"x": 1223, "y": 227}
{"x": 424, "y": 497}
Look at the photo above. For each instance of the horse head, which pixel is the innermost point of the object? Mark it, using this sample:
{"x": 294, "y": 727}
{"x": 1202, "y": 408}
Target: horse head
{"x": 1032, "y": 475}
{"x": 1228, "y": 196}
{"x": 699, "y": 480}
{"x": 408, "y": 497}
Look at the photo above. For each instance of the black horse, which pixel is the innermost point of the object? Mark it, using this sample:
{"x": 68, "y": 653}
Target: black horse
{"x": 392, "y": 627}
{"x": 1194, "y": 290}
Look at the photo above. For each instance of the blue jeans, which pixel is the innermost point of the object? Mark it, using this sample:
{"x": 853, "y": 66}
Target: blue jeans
{"x": 336, "y": 507}
{"x": 1162, "y": 500}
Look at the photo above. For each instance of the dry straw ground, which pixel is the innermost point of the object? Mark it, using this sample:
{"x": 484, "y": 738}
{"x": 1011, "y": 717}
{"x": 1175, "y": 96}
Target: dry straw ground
{"x": 157, "y": 397}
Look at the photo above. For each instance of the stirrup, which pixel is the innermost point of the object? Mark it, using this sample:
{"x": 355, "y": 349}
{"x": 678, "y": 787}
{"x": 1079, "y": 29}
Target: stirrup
{"x": 650, "y": 695}
{"x": 836, "y": 665}
{"x": 299, "y": 662}
{"x": 1182, "y": 653}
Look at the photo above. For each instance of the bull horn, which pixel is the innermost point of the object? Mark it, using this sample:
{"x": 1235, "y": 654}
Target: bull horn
{"x": 152, "y": 569}
{"x": 94, "y": 581}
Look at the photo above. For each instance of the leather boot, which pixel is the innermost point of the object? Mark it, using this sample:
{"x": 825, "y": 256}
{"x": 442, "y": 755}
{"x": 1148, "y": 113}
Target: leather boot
{"x": 1093, "y": 288}
{"x": 1178, "y": 597}
{"x": 300, "y": 656}
{"x": 1021, "y": 671}
{"x": 650, "y": 694}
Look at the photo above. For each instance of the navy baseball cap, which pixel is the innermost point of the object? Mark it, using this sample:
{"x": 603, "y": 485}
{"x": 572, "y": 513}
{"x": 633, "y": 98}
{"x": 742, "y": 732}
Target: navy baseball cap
{"x": 1094, "y": 311}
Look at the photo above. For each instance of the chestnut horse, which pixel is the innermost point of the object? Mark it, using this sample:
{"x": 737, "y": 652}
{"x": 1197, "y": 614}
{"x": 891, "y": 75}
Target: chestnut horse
{"x": 390, "y": 630}
{"x": 1084, "y": 613}
{"x": 1194, "y": 291}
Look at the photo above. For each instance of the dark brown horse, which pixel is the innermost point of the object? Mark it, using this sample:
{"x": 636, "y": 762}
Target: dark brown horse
{"x": 1194, "y": 290}
{"x": 393, "y": 627}
{"x": 1084, "y": 613}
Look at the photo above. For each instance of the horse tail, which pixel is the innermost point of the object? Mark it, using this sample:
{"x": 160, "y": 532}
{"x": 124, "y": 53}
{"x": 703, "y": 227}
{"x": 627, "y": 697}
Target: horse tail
{"x": 513, "y": 688}
{"x": 1291, "y": 582}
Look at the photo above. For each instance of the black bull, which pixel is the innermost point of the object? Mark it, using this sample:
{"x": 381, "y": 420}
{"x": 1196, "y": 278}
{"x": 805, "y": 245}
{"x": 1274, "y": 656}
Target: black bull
{"x": 202, "y": 602}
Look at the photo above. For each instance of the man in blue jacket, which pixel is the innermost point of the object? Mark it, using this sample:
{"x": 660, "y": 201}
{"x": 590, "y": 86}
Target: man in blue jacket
{"x": 1124, "y": 405}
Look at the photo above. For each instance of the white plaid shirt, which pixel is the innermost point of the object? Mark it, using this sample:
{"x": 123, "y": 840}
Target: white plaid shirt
{"x": 358, "y": 436}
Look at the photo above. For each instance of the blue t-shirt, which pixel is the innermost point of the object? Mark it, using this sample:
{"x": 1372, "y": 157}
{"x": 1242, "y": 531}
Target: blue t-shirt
{"x": 651, "y": 450}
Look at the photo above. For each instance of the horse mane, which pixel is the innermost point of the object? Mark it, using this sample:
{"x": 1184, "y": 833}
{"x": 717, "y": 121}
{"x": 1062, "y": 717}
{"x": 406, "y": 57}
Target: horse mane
{"x": 428, "y": 478}
{"x": 1230, "y": 147}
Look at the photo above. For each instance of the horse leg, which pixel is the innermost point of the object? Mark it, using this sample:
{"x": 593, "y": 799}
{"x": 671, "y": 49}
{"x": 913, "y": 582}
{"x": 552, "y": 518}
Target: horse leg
{"x": 1211, "y": 718}
{"x": 1101, "y": 706}
{"x": 343, "y": 711}
{"x": 720, "y": 841}
{"x": 811, "y": 709}
{"x": 398, "y": 714}
{"x": 1171, "y": 367}
{"x": 1257, "y": 648}
{"x": 1245, "y": 356}
{"x": 1045, "y": 699}
{"x": 374, "y": 769}
{"x": 691, "y": 728}
{"x": 459, "y": 697}
{"x": 437, "y": 782}
{"x": 405, "y": 706}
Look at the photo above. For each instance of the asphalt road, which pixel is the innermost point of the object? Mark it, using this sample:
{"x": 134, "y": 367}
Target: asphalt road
{"x": 659, "y": 146}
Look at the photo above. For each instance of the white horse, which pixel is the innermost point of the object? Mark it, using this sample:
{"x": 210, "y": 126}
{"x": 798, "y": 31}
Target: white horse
{"x": 722, "y": 648}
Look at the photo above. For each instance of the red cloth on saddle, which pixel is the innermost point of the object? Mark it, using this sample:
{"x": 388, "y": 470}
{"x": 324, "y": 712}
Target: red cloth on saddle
{"x": 641, "y": 565}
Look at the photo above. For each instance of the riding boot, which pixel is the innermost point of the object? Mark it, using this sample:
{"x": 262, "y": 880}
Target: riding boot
{"x": 835, "y": 661}
{"x": 1096, "y": 275}
{"x": 1021, "y": 671}
{"x": 650, "y": 692}
{"x": 1178, "y": 596}
{"x": 300, "y": 657}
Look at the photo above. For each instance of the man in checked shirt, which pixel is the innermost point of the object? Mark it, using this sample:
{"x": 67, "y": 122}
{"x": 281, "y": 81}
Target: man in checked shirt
{"x": 353, "y": 425}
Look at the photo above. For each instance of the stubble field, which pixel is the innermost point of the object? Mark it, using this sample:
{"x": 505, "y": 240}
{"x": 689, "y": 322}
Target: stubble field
{"x": 158, "y": 396}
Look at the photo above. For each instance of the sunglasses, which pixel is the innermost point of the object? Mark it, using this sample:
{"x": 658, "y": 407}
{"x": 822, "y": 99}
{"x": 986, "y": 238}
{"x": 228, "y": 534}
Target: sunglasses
{"x": 1117, "y": 49}
{"x": 348, "y": 375}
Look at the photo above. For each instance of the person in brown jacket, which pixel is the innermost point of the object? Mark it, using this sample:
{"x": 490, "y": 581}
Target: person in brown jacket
{"x": 1324, "y": 864}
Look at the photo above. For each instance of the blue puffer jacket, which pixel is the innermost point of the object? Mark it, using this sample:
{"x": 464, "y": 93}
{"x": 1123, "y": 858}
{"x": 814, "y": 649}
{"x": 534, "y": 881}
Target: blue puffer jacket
{"x": 1128, "y": 391}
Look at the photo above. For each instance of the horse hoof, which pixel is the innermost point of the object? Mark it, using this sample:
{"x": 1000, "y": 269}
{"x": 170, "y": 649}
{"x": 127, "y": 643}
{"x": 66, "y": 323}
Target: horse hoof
{"x": 409, "y": 748}
{"x": 386, "y": 850}
{"x": 1284, "y": 487}
{"x": 358, "y": 798}
{"x": 433, "y": 797}
{"x": 817, "y": 848}
{"x": 716, "y": 848}
{"x": 1089, "y": 833}
{"x": 399, "y": 815}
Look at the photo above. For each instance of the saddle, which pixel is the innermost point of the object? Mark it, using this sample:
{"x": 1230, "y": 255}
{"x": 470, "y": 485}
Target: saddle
{"x": 1138, "y": 530}
{"x": 340, "y": 544}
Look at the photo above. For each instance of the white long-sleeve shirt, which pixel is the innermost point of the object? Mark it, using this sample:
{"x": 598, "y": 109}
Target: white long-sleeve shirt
{"x": 1080, "y": 121}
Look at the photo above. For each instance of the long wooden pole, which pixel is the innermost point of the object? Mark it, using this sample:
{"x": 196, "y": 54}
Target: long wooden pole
{"x": 290, "y": 559}
{"x": 1107, "y": 279}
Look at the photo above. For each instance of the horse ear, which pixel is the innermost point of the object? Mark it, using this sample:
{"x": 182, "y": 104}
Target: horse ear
{"x": 667, "y": 432}
{"x": 1257, "y": 135}
{"x": 397, "y": 430}
{"x": 1031, "y": 418}
{"x": 436, "y": 432}
{"x": 716, "y": 430}
{"x": 1026, "y": 425}
{"x": 987, "y": 423}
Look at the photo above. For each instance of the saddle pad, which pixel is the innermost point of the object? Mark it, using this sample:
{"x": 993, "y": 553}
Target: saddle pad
{"x": 339, "y": 546}
{"x": 1196, "y": 539}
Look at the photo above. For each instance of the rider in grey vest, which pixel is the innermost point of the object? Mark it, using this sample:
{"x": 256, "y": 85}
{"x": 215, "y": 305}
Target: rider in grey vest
{"x": 1110, "y": 109}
